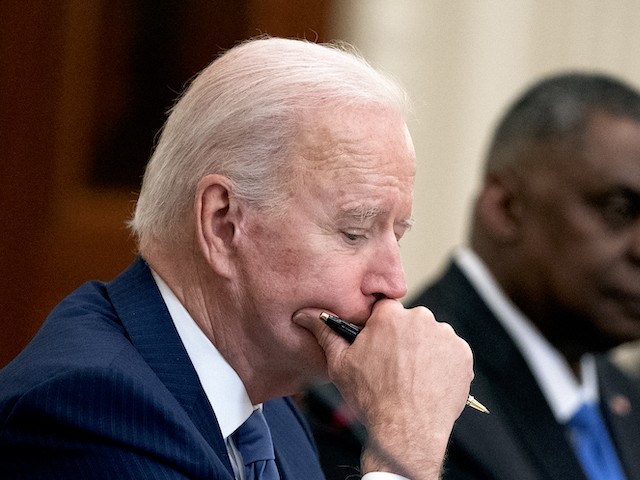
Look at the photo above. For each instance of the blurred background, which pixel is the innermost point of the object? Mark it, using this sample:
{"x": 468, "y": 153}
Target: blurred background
{"x": 85, "y": 84}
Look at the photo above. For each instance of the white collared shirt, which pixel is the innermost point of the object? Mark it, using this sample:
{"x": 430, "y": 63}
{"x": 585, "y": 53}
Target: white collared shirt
{"x": 222, "y": 385}
{"x": 563, "y": 392}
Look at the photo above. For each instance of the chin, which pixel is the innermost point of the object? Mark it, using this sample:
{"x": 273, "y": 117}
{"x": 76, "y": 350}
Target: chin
{"x": 306, "y": 361}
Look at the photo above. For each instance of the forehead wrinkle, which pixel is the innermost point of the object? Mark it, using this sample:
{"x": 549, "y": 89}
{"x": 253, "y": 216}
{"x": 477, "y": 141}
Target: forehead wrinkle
{"x": 340, "y": 158}
{"x": 323, "y": 148}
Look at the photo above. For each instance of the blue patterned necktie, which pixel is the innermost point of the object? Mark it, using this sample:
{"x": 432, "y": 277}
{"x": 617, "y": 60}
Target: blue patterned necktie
{"x": 593, "y": 444}
{"x": 253, "y": 440}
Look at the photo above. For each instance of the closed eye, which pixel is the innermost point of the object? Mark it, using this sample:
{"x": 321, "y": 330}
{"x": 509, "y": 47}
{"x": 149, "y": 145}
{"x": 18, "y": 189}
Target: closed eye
{"x": 353, "y": 238}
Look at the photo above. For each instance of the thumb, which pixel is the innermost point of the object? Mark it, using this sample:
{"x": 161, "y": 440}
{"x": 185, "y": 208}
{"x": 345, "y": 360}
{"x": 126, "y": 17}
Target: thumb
{"x": 333, "y": 344}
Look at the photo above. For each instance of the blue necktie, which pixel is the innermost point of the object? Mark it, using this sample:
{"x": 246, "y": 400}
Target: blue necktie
{"x": 253, "y": 440}
{"x": 593, "y": 444}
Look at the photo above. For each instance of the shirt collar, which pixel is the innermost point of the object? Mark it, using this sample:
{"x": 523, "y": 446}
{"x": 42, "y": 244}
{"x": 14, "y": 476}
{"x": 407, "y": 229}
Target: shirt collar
{"x": 551, "y": 370}
{"x": 222, "y": 385}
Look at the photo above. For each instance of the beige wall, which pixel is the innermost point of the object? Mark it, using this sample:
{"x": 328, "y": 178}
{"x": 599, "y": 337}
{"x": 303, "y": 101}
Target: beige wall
{"x": 463, "y": 61}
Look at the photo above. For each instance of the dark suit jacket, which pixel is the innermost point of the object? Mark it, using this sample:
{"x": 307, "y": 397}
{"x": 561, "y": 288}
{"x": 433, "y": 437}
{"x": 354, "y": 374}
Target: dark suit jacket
{"x": 520, "y": 439}
{"x": 106, "y": 390}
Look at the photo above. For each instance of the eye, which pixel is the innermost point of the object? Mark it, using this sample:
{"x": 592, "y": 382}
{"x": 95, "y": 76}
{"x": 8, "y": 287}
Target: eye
{"x": 619, "y": 210}
{"x": 353, "y": 238}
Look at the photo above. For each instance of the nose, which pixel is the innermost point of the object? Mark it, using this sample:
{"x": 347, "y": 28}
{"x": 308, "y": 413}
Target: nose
{"x": 385, "y": 277}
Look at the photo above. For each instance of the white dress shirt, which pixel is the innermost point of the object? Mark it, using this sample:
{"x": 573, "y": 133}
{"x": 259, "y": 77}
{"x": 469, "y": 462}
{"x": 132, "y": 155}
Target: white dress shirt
{"x": 222, "y": 385}
{"x": 563, "y": 392}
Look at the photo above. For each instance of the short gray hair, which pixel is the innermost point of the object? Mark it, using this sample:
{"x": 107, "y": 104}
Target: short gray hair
{"x": 557, "y": 110}
{"x": 239, "y": 118}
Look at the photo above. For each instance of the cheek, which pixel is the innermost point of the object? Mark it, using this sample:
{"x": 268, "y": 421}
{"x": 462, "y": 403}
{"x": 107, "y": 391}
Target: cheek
{"x": 298, "y": 269}
{"x": 576, "y": 273}
{"x": 568, "y": 270}
{"x": 574, "y": 247}
{"x": 317, "y": 279}
{"x": 283, "y": 262}
{"x": 581, "y": 279}
{"x": 588, "y": 259}
{"x": 291, "y": 261}
{"x": 585, "y": 245}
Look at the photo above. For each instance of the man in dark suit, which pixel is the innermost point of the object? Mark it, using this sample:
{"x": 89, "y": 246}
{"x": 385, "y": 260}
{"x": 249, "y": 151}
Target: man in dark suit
{"x": 279, "y": 188}
{"x": 549, "y": 283}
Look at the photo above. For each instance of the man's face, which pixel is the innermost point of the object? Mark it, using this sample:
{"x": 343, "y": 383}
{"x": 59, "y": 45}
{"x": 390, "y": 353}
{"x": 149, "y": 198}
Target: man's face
{"x": 581, "y": 237}
{"x": 337, "y": 247}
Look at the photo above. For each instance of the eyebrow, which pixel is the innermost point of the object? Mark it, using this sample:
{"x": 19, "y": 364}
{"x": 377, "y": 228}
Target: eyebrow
{"x": 364, "y": 212}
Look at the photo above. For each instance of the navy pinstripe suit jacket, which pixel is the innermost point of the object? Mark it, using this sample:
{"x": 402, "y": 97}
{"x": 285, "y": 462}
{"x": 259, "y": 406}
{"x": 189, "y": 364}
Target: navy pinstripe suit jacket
{"x": 106, "y": 390}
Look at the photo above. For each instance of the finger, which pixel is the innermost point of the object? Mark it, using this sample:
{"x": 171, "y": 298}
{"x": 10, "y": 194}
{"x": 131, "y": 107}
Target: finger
{"x": 332, "y": 344}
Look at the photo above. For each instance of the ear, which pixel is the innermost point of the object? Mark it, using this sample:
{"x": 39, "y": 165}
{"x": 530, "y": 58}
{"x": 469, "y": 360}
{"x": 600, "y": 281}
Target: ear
{"x": 217, "y": 217}
{"x": 499, "y": 206}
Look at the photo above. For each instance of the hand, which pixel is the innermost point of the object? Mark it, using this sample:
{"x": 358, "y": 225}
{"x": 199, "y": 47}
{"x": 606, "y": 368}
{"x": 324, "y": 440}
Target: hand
{"x": 407, "y": 376}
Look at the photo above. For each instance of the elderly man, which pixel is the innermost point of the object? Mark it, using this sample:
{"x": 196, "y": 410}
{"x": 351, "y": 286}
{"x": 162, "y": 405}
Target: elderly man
{"x": 279, "y": 189}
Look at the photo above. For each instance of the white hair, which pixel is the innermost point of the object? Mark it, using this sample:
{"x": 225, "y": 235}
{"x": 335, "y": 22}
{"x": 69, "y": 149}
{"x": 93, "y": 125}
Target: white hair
{"x": 240, "y": 117}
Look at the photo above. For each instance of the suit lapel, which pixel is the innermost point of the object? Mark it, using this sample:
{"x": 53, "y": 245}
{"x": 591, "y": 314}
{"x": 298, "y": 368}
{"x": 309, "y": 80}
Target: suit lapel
{"x": 620, "y": 401}
{"x": 503, "y": 374}
{"x": 143, "y": 313}
{"x": 526, "y": 410}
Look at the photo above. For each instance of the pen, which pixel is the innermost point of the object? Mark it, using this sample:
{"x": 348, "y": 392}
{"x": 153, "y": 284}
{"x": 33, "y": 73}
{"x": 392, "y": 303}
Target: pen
{"x": 349, "y": 331}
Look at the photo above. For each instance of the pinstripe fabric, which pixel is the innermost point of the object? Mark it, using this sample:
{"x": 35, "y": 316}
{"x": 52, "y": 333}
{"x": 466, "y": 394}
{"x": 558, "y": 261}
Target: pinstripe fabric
{"x": 106, "y": 390}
